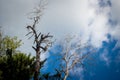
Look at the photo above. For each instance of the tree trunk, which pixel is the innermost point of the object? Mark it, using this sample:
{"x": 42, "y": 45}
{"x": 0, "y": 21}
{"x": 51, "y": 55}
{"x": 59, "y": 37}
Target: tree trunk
{"x": 37, "y": 64}
{"x": 66, "y": 74}
{"x": 65, "y": 77}
{"x": 36, "y": 74}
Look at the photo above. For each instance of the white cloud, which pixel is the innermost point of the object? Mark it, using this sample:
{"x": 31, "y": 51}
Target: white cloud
{"x": 78, "y": 72}
{"x": 61, "y": 17}
{"x": 104, "y": 57}
{"x": 78, "y": 16}
{"x": 115, "y": 10}
{"x": 115, "y": 16}
{"x": 115, "y": 32}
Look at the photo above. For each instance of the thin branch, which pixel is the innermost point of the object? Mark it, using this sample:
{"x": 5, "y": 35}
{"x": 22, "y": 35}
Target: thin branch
{"x": 71, "y": 56}
{"x": 29, "y": 33}
{"x": 39, "y": 34}
{"x": 31, "y": 36}
{"x": 73, "y": 64}
{"x": 34, "y": 48}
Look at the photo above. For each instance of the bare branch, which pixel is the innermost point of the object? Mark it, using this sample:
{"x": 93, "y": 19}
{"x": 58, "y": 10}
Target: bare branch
{"x": 74, "y": 62}
{"x": 28, "y": 33}
{"x": 42, "y": 41}
{"x": 39, "y": 34}
{"x": 34, "y": 48}
{"x": 71, "y": 55}
{"x": 31, "y": 36}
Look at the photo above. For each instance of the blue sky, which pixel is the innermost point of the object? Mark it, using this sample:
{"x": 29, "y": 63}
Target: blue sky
{"x": 104, "y": 64}
{"x": 107, "y": 66}
{"x": 93, "y": 21}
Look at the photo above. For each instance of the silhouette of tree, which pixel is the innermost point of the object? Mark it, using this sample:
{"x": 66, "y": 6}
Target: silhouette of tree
{"x": 42, "y": 41}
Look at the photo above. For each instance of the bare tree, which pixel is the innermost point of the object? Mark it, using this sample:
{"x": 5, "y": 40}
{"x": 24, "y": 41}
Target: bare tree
{"x": 42, "y": 41}
{"x": 73, "y": 53}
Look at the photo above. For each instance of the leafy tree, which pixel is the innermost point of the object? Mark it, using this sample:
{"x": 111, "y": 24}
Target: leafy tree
{"x": 17, "y": 67}
{"x": 7, "y": 43}
{"x": 14, "y": 65}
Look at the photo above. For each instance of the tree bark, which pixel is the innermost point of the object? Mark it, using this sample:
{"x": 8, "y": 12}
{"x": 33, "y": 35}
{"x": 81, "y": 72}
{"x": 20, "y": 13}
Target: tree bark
{"x": 37, "y": 64}
{"x": 65, "y": 77}
{"x": 36, "y": 74}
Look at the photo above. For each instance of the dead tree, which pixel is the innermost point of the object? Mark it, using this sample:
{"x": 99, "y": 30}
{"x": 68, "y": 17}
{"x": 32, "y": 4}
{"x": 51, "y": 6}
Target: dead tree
{"x": 42, "y": 41}
{"x": 72, "y": 55}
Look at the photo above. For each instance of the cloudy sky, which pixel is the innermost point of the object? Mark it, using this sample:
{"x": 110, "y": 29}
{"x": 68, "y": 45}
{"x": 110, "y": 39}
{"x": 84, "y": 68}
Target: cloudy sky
{"x": 96, "y": 21}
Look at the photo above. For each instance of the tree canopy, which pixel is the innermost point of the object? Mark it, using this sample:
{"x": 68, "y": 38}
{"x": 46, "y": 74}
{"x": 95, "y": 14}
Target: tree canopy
{"x": 14, "y": 65}
{"x": 9, "y": 43}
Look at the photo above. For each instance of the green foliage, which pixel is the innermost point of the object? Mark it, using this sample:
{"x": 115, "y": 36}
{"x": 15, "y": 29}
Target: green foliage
{"x": 14, "y": 65}
{"x": 11, "y": 43}
{"x": 17, "y": 67}
{"x": 8, "y": 43}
